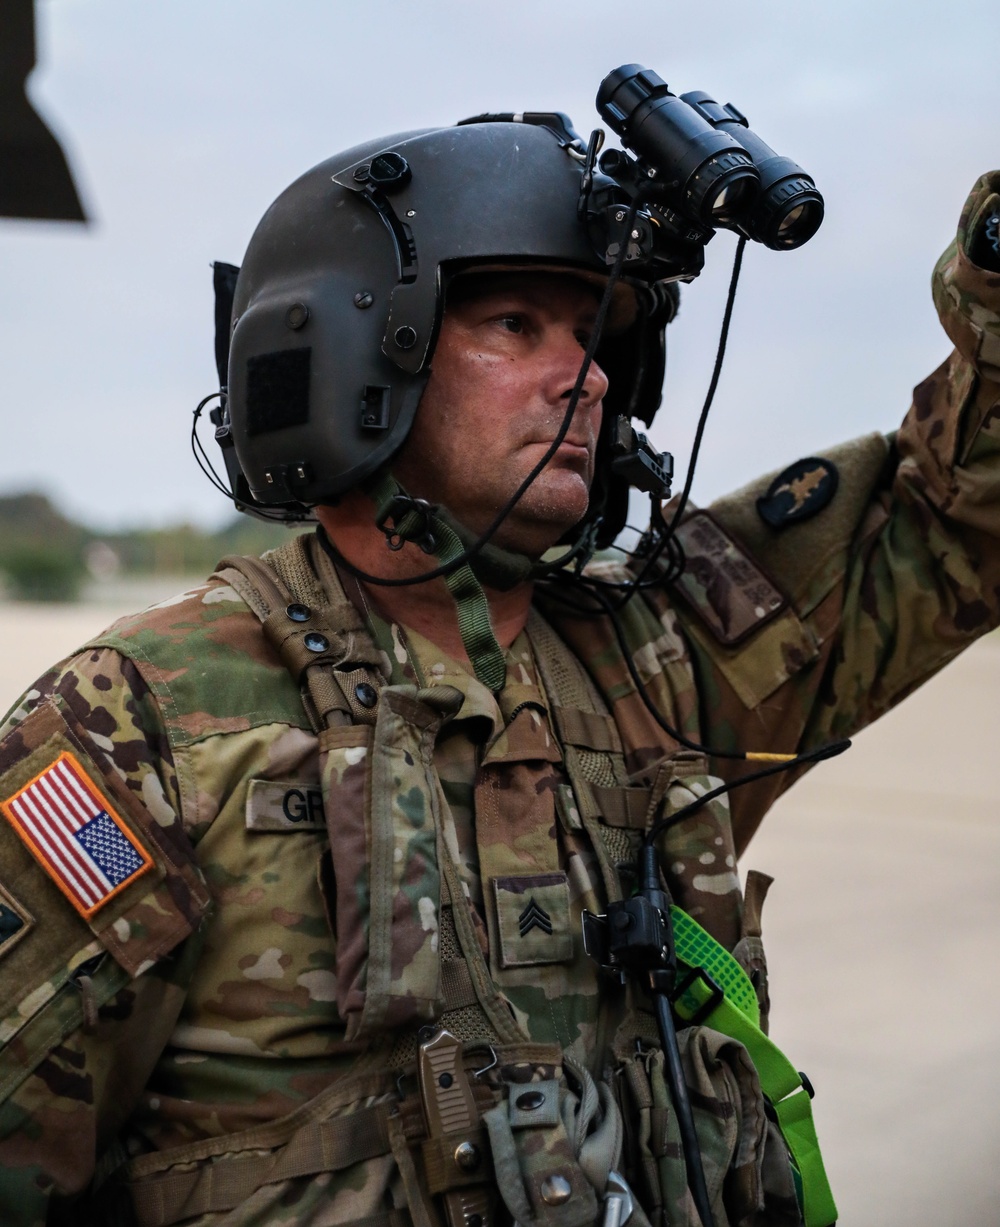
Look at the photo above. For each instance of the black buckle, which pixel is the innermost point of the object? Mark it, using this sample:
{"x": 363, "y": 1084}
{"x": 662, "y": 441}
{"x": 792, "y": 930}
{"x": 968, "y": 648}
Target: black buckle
{"x": 703, "y": 1011}
{"x": 421, "y": 534}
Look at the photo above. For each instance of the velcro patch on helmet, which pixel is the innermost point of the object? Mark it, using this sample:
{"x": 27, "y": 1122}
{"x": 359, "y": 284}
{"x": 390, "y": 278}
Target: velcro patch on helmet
{"x": 797, "y": 494}
{"x": 278, "y": 390}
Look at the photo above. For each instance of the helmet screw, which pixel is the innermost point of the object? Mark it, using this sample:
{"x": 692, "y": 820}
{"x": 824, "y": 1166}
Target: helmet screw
{"x": 361, "y": 173}
{"x": 363, "y": 299}
{"x": 296, "y": 315}
{"x": 620, "y": 215}
{"x": 405, "y": 337}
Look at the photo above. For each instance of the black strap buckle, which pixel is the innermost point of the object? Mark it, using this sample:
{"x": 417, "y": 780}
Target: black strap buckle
{"x": 412, "y": 520}
{"x": 715, "y": 989}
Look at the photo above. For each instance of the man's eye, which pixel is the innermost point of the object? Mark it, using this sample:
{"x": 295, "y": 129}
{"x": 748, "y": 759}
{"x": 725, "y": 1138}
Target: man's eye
{"x": 512, "y": 323}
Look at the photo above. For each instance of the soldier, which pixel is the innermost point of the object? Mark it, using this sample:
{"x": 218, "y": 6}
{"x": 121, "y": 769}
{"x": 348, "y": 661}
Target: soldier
{"x": 294, "y": 865}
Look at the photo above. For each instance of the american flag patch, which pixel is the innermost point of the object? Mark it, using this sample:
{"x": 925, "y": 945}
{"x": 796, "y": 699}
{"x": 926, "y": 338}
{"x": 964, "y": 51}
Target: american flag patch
{"x": 83, "y": 845}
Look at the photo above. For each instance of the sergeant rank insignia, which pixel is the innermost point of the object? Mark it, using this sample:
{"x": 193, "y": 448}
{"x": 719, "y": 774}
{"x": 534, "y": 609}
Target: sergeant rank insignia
{"x": 803, "y": 489}
{"x": 81, "y": 843}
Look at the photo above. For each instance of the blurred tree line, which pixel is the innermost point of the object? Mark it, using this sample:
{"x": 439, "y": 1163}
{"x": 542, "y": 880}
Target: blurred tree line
{"x": 44, "y": 556}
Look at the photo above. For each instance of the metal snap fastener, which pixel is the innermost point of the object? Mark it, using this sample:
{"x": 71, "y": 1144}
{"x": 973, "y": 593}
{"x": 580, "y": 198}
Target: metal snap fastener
{"x": 405, "y": 337}
{"x": 296, "y": 316}
{"x": 316, "y": 642}
{"x": 299, "y": 613}
{"x": 468, "y": 1156}
{"x": 529, "y": 1101}
{"x": 366, "y": 694}
{"x": 555, "y": 1190}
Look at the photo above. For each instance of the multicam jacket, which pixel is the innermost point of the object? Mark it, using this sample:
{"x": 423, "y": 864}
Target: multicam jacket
{"x": 232, "y": 985}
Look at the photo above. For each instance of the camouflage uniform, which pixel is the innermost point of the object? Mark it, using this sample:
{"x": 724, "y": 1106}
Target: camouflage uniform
{"x": 203, "y": 1007}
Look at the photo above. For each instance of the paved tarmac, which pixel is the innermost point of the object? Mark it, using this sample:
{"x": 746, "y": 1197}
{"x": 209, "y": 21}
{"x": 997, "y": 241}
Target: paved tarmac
{"x": 882, "y": 930}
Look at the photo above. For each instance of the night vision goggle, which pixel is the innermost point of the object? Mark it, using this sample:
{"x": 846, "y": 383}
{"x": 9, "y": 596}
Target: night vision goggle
{"x": 695, "y": 166}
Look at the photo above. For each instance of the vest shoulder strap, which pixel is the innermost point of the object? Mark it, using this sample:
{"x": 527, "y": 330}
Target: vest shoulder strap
{"x": 320, "y": 636}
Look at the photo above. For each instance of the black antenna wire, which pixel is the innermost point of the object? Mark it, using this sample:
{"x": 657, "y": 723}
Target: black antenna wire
{"x": 820, "y": 754}
{"x": 664, "y": 535}
{"x": 204, "y": 462}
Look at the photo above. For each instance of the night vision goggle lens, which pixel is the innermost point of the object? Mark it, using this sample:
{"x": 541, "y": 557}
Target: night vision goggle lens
{"x": 798, "y": 224}
{"x": 730, "y": 201}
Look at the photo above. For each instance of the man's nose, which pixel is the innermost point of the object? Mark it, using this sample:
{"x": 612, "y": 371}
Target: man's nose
{"x": 595, "y": 384}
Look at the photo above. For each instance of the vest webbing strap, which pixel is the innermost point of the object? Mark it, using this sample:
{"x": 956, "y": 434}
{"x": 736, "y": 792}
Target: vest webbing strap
{"x": 324, "y": 1146}
{"x": 730, "y": 1008}
{"x": 731, "y": 1012}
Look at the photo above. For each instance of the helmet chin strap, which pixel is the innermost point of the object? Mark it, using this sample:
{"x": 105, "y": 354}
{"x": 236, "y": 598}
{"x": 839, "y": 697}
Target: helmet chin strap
{"x": 403, "y": 518}
{"x": 421, "y": 523}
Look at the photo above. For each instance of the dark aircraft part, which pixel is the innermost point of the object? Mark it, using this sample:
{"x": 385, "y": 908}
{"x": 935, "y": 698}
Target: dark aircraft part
{"x": 35, "y": 179}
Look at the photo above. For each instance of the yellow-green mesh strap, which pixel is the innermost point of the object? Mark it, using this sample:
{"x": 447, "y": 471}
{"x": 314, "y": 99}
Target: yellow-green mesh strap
{"x": 474, "y": 625}
{"x": 698, "y": 948}
{"x": 779, "y": 1079}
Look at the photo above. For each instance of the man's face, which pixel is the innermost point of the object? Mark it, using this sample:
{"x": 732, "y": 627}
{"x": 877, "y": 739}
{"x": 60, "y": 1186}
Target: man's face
{"x": 504, "y": 368}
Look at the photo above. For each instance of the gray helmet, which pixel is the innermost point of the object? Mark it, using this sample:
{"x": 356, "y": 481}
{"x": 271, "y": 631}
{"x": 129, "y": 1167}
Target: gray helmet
{"x": 339, "y": 300}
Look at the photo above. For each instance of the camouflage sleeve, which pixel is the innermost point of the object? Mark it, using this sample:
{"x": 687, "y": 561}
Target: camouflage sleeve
{"x": 898, "y": 574}
{"x": 92, "y": 970}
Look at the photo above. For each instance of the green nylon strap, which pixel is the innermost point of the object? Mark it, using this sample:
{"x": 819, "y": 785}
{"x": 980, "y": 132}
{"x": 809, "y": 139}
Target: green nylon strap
{"x": 733, "y": 1015}
{"x": 698, "y": 948}
{"x": 474, "y": 625}
{"x": 473, "y": 609}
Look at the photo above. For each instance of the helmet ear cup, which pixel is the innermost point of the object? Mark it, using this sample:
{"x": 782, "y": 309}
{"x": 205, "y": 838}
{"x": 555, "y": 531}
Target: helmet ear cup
{"x": 635, "y": 364}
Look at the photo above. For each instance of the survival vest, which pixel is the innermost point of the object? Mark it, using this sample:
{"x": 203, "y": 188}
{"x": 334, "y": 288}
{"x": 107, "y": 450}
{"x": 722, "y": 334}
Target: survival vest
{"x": 752, "y": 1108}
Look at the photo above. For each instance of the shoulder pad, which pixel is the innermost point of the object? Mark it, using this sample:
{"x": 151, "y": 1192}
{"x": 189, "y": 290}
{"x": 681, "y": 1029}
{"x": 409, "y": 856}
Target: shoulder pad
{"x": 82, "y": 854}
{"x": 211, "y": 669}
{"x": 804, "y": 559}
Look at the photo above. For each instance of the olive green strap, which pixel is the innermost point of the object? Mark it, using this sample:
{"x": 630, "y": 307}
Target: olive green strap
{"x": 444, "y": 544}
{"x": 186, "y": 1191}
{"x": 725, "y": 1000}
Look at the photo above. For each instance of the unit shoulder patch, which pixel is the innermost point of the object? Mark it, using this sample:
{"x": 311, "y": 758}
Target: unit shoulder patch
{"x": 799, "y": 492}
{"x": 722, "y": 583}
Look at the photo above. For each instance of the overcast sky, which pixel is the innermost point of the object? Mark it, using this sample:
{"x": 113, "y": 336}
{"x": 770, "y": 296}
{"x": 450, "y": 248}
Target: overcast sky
{"x": 184, "y": 120}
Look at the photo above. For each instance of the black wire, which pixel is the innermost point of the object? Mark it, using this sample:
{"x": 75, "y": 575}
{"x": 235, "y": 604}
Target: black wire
{"x": 713, "y": 384}
{"x": 204, "y": 463}
{"x": 830, "y": 750}
{"x": 667, "y": 534}
{"x": 688, "y": 742}
{"x": 477, "y": 546}
{"x": 198, "y": 449}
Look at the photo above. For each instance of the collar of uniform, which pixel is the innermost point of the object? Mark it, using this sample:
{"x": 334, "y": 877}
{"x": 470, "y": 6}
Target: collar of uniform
{"x": 514, "y": 724}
